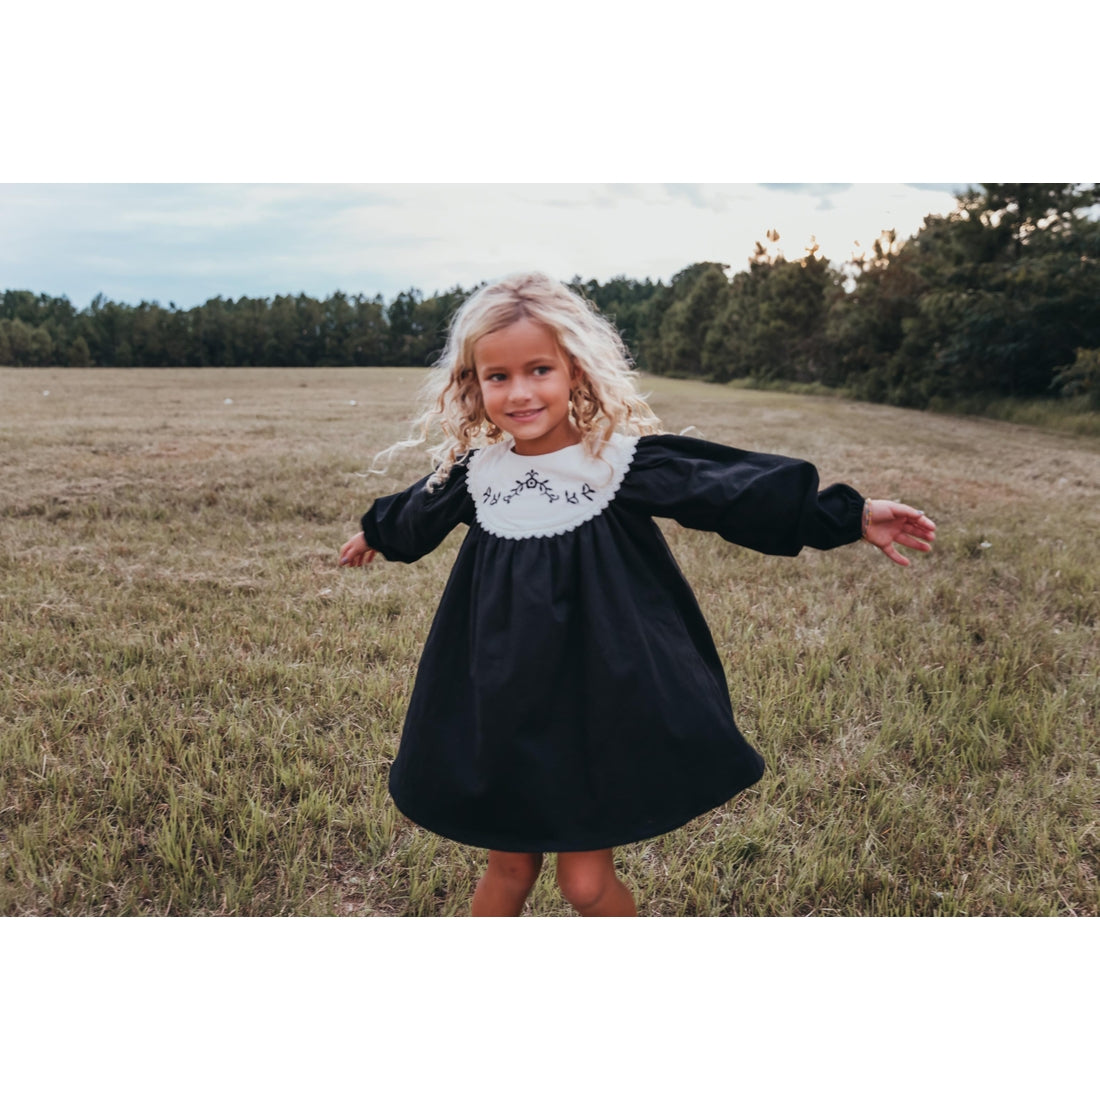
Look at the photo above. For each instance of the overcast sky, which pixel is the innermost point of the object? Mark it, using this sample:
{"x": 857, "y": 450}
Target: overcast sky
{"x": 185, "y": 243}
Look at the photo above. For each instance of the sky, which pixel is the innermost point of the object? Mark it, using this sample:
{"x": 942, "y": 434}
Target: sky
{"x": 186, "y": 243}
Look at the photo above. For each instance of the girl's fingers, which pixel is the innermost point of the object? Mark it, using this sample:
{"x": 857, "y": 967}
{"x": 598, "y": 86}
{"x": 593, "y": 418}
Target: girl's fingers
{"x": 914, "y": 516}
{"x": 890, "y": 551}
{"x": 353, "y": 551}
{"x": 907, "y": 525}
{"x": 913, "y": 542}
{"x": 360, "y": 558}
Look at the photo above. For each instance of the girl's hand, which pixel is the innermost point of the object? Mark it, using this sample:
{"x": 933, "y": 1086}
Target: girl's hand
{"x": 356, "y": 551}
{"x": 886, "y": 522}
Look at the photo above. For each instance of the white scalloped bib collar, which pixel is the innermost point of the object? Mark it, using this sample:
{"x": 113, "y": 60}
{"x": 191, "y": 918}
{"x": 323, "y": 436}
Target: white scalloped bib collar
{"x": 535, "y": 496}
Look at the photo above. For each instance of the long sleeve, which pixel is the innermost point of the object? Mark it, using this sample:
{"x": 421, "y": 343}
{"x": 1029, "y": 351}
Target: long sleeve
{"x": 410, "y": 524}
{"x": 764, "y": 502}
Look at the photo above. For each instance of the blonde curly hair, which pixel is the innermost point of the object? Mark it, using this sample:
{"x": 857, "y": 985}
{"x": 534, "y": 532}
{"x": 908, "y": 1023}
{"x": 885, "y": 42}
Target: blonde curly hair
{"x": 603, "y": 401}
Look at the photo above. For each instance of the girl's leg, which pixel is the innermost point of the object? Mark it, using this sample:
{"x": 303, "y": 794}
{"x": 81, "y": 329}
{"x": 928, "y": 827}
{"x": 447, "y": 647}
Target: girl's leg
{"x": 590, "y": 885}
{"x": 507, "y": 881}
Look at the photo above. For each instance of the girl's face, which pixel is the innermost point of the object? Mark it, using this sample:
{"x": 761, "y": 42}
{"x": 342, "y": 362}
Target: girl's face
{"x": 525, "y": 379}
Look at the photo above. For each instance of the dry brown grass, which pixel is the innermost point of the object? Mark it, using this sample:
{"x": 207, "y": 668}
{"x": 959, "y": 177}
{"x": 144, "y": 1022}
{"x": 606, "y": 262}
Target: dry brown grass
{"x": 197, "y": 707}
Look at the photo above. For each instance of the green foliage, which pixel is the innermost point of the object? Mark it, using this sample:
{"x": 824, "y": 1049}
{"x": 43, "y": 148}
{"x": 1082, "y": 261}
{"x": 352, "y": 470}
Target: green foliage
{"x": 1081, "y": 377}
{"x": 697, "y": 295}
{"x": 1000, "y": 294}
{"x": 866, "y": 326}
{"x": 625, "y": 302}
{"x": 773, "y": 324}
{"x": 766, "y": 324}
{"x": 287, "y": 330}
{"x": 17, "y": 340}
{"x": 79, "y": 356}
{"x": 418, "y": 325}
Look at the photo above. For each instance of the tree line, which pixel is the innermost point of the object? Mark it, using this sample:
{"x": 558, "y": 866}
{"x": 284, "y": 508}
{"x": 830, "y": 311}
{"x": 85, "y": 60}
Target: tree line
{"x": 1000, "y": 297}
{"x": 289, "y": 330}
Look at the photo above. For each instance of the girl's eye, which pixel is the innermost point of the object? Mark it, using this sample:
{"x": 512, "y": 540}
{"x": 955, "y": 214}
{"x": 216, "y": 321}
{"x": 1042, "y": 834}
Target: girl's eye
{"x": 494, "y": 377}
{"x": 543, "y": 370}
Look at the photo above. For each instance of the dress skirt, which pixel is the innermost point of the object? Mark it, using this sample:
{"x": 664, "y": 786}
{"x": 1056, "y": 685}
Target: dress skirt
{"x": 570, "y": 696}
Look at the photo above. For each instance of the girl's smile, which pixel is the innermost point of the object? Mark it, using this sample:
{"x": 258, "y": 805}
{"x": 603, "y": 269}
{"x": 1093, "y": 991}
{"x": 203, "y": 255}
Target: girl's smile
{"x": 526, "y": 380}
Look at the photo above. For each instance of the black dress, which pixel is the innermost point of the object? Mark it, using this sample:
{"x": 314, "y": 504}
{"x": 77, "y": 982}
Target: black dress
{"x": 570, "y": 696}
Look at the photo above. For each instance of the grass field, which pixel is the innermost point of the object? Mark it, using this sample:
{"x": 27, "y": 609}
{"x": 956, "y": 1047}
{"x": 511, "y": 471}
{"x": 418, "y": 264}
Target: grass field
{"x": 198, "y": 708}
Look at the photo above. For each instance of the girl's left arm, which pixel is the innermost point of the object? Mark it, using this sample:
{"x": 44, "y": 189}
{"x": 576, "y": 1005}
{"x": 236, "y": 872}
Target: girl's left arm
{"x": 762, "y": 501}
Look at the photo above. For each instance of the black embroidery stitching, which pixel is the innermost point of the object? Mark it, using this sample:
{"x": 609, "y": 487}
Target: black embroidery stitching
{"x": 530, "y": 480}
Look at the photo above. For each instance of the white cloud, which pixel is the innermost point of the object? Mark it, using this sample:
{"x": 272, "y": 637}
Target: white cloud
{"x": 190, "y": 242}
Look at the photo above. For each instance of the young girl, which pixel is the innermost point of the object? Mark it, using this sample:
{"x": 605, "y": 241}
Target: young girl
{"x": 570, "y": 698}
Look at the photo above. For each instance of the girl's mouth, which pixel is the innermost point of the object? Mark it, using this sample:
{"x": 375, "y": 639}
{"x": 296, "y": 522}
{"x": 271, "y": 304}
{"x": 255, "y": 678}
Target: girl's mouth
{"x": 526, "y": 414}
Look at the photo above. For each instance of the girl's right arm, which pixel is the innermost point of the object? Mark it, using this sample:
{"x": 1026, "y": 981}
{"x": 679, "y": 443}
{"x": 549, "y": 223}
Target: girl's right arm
{"x": 408, "y": 525}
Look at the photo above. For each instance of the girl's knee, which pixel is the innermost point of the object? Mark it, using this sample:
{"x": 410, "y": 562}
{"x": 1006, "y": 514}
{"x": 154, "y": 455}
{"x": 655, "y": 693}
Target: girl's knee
{"x": 585, "y": 877}
{"x": 517, "y": 869}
